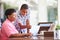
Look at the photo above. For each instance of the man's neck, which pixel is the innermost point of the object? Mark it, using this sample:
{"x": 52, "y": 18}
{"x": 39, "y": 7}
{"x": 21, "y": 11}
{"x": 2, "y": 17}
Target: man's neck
{"x": 22, "y": 15}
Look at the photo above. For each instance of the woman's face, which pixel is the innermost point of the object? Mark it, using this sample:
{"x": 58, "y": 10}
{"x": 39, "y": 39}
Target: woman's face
{"x": 24, "y": 11}
{"x": 12, "y": 17}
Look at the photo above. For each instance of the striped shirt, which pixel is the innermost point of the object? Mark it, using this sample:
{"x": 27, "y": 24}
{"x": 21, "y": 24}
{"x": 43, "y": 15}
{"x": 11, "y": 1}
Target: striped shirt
{"x": 21, "y": 19}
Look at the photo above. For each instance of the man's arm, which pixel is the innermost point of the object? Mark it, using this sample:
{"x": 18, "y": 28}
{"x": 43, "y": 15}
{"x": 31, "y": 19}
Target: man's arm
{"x": 28, "y": 25}
{"x": 22, "y": 26}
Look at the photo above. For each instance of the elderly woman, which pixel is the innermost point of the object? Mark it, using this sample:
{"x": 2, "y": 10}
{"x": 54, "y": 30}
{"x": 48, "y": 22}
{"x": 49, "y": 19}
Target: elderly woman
{"x": 8, "y": 29}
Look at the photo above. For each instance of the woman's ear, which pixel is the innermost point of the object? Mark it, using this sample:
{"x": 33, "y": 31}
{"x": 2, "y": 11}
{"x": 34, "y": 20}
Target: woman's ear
{"x": 8, "y": 16}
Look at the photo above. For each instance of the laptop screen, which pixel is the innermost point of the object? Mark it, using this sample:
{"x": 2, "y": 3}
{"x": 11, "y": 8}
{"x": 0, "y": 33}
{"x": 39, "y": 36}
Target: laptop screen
{"x": 45, "y": 25}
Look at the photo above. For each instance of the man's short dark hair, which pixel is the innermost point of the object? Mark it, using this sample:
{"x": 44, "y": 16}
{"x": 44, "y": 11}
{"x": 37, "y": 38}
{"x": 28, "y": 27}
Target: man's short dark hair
{"x": 24, "y": 6}
{"x": 9, "y": 12}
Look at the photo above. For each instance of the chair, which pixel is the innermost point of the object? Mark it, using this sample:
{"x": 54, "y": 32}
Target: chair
{"x": 49, "y": 35}
{"x": 0, "y": 32}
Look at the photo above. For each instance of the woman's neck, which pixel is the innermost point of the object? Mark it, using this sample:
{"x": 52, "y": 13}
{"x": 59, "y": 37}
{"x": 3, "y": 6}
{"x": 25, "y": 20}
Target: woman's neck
{"x": 10, "y": 20}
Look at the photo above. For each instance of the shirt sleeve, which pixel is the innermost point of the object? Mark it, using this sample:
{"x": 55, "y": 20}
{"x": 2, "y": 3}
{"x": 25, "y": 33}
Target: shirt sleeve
{"x": 9, "y": 30}
{"x": 18, "y": 20}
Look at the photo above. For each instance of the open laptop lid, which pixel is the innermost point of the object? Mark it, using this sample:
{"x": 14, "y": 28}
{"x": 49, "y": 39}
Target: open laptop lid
{"x": 36, "y": 28}
{"x": 44, "y": 26}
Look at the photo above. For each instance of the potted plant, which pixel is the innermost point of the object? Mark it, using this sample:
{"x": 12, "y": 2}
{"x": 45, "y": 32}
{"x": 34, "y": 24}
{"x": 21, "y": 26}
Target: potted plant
{"x": 58, "y": 31}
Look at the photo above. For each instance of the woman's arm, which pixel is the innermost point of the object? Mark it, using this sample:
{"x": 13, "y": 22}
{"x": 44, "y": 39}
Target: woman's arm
{"x": 20, "y": 35}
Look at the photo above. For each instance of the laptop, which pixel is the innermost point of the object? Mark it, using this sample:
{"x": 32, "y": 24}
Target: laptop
{"x": 44, "y": 26}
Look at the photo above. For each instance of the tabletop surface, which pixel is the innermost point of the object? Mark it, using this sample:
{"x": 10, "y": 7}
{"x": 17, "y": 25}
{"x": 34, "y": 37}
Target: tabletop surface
{"x": 33, "y": 38}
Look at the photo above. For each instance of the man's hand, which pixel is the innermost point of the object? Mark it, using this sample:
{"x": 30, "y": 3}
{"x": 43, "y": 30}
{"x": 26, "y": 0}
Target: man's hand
{"x": 28, "y": 26}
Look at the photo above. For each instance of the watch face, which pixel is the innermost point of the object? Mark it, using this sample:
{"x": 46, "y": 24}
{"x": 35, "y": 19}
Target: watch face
{"x": 24, "y": 30}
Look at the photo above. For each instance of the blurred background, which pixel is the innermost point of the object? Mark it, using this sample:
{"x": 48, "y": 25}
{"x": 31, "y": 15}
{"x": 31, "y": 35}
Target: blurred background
{"x": 40, "y": 10}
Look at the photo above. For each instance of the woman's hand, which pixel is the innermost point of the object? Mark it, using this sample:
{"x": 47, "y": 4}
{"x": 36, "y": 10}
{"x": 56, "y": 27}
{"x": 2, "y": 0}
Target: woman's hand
{"x": 28, "y": 34}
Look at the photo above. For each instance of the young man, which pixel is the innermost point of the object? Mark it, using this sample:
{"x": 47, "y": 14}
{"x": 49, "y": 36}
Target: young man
{"x": 22, "y": 22}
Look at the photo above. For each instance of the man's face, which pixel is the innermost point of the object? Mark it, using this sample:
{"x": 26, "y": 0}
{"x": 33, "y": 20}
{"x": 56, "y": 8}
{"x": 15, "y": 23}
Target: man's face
{"x": 24, "y": 11}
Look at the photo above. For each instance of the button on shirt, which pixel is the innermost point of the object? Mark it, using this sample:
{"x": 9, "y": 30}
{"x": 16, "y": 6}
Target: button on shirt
{"x": 21, "y": 19}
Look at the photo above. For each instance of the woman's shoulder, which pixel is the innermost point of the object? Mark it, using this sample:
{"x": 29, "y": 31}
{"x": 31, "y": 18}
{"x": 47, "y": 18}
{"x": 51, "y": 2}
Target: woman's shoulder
{"x": 6, "y": 22}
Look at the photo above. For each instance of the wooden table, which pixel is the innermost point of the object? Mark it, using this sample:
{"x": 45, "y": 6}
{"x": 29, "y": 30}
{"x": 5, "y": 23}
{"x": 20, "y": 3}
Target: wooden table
{"x": 32, "y": 38}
